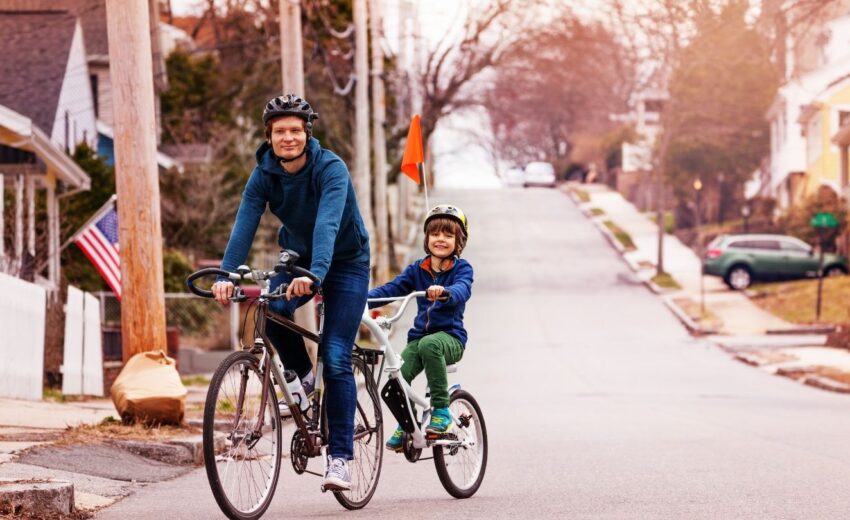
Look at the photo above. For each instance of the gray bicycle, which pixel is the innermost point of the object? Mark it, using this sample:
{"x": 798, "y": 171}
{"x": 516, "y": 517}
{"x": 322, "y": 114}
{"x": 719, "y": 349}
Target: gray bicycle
{"x": 242, "y": 421}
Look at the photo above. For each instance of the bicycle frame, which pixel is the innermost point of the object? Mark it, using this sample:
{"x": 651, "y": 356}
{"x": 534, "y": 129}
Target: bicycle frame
{"x": 392, "y": 367}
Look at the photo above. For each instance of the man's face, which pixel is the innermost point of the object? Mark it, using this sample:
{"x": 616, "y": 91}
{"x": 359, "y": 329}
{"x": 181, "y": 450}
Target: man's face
{"x": 288, "y": 136}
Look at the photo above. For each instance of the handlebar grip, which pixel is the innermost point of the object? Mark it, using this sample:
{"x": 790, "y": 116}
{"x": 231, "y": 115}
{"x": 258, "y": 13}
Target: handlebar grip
{"x": 300, "y": 271}
{"x": 209, "y": 271}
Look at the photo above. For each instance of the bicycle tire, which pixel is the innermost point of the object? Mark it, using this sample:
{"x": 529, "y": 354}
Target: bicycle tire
{"x": 229, "y": 469}
{"x": 471, "y": 461}
{"x": 365, "y": 468}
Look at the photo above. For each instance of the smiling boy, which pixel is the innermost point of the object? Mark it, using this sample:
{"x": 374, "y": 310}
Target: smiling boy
{"x": 438, "y": 337}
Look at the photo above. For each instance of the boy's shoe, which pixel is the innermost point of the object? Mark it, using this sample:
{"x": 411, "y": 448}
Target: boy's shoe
{"x": 441, "y": 422}
{"x": 396, "y": 442}
{"x": 336, "y": 475}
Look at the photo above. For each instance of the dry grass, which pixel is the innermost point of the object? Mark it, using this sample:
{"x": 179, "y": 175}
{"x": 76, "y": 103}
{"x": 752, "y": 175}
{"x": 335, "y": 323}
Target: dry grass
{"x": 795, "y": 301}
{"x": 706, "y": 320}
{"x": 110, "y": 428}
{"x": 834, "y": 374}
{"x": 666, "y": 281}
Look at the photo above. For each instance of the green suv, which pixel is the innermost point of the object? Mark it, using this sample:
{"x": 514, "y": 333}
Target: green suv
{"x": 741, "y": 259}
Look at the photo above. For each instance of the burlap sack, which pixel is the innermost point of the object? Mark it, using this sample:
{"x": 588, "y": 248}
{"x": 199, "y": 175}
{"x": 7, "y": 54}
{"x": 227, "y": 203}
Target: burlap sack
{"x": 149, "y": 390}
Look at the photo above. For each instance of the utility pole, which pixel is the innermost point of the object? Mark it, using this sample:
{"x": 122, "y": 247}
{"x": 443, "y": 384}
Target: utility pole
{"x": 379, "y": 119}
{"x": 362, "y": 182}
{"x": 292, "y": 70}
{"x": 136, "y": 177}
{"x": 404, "y": 107}
{"x": 291, "y": 47}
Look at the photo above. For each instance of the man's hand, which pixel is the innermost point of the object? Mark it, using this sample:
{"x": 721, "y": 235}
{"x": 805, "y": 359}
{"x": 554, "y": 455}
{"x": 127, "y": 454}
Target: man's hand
{"x": 222, "y": 291}
{"x": 298, "y": 287}
{"x": 435, "y": 291}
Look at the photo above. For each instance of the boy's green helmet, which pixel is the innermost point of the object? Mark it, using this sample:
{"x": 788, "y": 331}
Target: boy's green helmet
{"x": 448, "y": 211}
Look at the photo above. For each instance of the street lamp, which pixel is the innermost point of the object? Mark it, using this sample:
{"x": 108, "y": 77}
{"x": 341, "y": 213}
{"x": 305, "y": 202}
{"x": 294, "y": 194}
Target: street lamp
{"x": 745, "y": 212}
{"x": 698, "y": 189}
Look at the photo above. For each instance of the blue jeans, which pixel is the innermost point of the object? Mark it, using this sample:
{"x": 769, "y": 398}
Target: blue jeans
{"x": 344, "y": 288}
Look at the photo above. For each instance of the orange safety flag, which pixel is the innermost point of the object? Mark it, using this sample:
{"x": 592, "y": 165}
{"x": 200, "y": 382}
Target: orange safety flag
{"x": 413, "y": 154}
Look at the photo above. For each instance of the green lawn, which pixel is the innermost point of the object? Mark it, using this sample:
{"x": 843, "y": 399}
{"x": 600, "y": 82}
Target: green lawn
{"x": 795, "y": 301}
{"x": 621, "y": 235}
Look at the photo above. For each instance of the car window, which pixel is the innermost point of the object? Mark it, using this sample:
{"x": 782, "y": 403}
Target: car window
{"x": 794, "y": 246}
{"x": 768, "y": 245}
{"x": 740, "y": 244}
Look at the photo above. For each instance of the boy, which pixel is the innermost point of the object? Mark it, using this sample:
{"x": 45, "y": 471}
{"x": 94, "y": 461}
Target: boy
{"x": 437, "y": 338}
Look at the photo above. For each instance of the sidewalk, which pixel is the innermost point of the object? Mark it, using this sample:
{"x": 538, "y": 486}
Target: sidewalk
{"x": 729, "y": 314}
{"x": 50, "y": 471}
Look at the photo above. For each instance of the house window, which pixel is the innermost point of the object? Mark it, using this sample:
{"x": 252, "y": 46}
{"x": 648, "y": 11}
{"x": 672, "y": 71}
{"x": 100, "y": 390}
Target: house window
{"x": 843, "y": 118}
{"x": 93, "y": 81}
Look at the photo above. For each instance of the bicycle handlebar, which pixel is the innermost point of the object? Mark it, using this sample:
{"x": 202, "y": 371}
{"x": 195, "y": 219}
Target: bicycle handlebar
{"x": 405, "y": 300}
{"x": 248, "y": 274}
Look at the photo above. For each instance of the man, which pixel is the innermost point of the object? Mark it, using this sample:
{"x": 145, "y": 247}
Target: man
{"x": 309, "y": 189}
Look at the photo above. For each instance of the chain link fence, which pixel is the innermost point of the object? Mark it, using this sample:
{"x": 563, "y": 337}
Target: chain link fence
{"x": 190, "y": 322}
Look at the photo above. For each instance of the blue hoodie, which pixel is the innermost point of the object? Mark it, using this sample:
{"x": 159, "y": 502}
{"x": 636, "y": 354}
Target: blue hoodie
{"x": 317, "y": 207}
{"x": 436, "y": 316}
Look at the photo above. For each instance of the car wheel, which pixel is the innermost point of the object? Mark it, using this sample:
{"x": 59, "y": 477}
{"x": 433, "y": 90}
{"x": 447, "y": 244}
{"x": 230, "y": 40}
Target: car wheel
{"x": 739, "y": 277}
{"x": 834, "y": 270}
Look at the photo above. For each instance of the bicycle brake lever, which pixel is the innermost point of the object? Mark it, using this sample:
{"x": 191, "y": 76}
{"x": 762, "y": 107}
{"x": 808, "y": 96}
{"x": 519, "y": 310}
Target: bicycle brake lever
{"x": 238, "y": 295}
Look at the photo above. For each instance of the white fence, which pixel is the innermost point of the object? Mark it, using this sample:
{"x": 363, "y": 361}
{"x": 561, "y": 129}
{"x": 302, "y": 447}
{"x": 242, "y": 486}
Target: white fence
{"x": 82, "y": 367}
{"x": 22, "y": 320}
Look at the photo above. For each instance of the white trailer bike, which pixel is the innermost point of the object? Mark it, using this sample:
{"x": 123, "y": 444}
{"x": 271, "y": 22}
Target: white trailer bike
{"x": 460, "y": 456}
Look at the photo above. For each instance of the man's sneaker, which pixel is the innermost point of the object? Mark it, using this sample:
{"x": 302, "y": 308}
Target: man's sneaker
{"x": 441, "y": 422}
{"x": 396, "y": 442}
{"x": 336, "y": 476}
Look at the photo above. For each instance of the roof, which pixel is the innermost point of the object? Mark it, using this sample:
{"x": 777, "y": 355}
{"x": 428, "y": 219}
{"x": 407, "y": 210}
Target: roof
{"x": 92, "y": 14}
{"x": 19, "y": 132}
{"x": 34, "y": 50}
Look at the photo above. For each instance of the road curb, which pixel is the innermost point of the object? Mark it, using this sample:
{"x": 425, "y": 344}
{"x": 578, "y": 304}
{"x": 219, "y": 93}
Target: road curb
{"x": 38, "y": 498}
{"x": 693, "y": 327}
{"x": 803, "y": 329}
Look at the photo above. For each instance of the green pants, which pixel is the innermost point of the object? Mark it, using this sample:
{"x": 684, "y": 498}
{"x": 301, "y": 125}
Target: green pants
{"x": 432, "y": 353}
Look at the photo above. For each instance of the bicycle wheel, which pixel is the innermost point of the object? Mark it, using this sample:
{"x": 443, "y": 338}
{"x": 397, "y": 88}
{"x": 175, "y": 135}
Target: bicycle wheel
{"x": 461, "y": 466}
{"x": 243, "y": 470}
{"x": 368, "y": 440}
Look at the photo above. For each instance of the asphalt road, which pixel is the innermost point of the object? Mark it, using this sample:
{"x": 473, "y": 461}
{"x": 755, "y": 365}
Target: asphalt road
{"x": 598, "y": 403}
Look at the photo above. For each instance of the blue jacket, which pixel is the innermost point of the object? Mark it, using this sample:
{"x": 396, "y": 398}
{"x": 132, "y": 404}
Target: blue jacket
{"x": 317, "y": 207}
{"x": 432, "y": 316}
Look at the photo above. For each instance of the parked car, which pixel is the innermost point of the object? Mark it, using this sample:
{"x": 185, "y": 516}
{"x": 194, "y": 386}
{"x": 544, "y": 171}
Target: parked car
{"x": 514, "y": 177}
{"x": 539, "y": 174}
{"x": 742, "y": 259}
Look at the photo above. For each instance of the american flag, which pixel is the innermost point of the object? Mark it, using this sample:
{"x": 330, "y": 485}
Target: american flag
{"x": 99, "y": 242}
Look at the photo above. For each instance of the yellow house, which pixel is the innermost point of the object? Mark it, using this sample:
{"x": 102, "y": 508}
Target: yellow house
{"x": 821, "y": 121}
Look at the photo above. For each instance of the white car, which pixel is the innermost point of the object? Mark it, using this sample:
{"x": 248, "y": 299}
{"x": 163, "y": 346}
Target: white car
{"x": 514, "y": 177}
{"x": 539, "y": 174}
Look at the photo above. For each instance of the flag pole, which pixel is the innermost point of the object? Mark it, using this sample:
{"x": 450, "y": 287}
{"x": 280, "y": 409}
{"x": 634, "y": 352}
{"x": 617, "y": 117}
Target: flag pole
{"x": 99, "y": 213}
{"x": 424, "y": 178}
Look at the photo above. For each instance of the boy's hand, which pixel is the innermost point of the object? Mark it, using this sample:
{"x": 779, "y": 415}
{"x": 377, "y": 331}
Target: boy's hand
{"x": 434, "y": 292}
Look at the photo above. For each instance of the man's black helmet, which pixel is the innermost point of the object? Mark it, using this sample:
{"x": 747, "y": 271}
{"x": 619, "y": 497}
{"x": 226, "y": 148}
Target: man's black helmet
{"x": 290, "y": 105}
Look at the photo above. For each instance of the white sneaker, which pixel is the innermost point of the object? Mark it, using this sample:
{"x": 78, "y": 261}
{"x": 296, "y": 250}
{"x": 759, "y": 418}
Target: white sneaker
{"x": 336, "y": 476}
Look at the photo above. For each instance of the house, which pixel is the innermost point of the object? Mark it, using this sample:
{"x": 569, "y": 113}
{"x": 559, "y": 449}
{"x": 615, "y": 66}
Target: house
{"x": 636, "y": 167}
{"x": 810, "y": 107}
{"x": 46, "y": 109}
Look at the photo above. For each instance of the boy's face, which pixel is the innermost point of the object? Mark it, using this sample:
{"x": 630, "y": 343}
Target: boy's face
{"x": 288, "y": 136}
{"x": 441, "y": 243}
